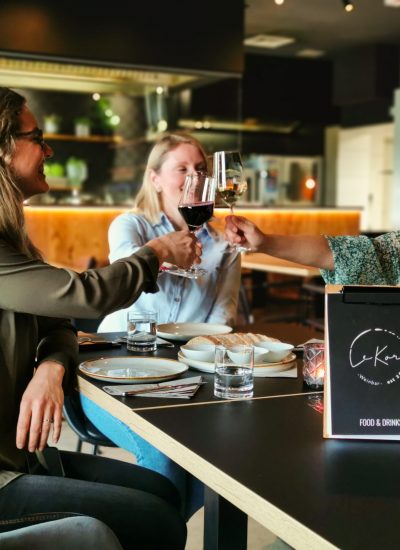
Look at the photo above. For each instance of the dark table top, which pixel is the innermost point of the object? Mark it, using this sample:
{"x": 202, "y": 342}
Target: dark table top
{"x": 241, "y": 449}
{"x": 262, "y": 386}
{"x": 279, "y": 470}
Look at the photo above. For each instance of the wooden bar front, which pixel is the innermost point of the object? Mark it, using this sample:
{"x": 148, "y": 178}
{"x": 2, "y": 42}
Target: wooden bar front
{"x": 70, "y": 236}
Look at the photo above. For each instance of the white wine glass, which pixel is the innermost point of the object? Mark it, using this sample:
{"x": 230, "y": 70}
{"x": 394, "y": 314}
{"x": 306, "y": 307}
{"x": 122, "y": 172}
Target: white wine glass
{"x": 196, "y": 207}
{"x": 230, "y": 181}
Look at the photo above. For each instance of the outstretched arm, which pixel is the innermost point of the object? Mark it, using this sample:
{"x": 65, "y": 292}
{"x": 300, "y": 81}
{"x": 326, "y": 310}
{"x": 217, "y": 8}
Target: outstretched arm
{"x": 310, "y": 250}
{"x": 92, "y": 293}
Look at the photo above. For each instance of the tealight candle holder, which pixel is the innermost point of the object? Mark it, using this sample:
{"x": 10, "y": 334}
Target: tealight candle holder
{"x": 314, "y": 365}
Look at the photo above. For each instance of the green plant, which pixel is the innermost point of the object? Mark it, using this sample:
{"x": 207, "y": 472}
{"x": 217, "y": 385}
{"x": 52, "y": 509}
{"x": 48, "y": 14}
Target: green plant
{"x": 56, "y": 119}
{"x": 55, "y": 169}
{"x": 84, "y": 120}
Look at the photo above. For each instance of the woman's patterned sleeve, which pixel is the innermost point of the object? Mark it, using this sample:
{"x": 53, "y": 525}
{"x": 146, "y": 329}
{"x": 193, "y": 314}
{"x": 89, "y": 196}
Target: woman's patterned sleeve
{"x": 365, "y": 261}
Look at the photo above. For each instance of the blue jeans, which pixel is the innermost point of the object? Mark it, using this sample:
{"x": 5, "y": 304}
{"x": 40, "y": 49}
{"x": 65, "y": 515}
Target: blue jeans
{"x": 139, "y": 506}
{"x": 63, "y": 534}
{"x": 190, "y": 488}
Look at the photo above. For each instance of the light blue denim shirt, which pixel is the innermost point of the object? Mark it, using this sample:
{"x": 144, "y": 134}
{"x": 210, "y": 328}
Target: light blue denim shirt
{"x": 212, "y": 298}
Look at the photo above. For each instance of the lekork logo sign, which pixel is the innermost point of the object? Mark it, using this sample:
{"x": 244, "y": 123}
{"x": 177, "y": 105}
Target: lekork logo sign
{"x": 375, "y": 356}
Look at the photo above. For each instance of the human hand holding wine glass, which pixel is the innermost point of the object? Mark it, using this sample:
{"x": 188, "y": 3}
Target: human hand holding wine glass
{"x": 230, "y": 181}
{"x": 196, "y": 207}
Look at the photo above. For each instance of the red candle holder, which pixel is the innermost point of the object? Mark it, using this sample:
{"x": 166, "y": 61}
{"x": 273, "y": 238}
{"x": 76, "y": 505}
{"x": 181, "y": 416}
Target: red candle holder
{"x": 314, "y": 364}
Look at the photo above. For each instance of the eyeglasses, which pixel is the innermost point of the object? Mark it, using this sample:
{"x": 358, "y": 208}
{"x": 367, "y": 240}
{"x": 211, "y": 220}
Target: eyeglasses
{"x": 36, "y": 135}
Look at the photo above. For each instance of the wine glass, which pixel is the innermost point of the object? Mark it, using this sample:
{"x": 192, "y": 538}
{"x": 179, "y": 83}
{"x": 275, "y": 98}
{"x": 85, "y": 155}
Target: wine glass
{"x": 196, "y": 207}
{"x": 231, "y": 182}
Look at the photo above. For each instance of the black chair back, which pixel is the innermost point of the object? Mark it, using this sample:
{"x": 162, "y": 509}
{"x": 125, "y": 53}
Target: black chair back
{"x": 82, "y": 426}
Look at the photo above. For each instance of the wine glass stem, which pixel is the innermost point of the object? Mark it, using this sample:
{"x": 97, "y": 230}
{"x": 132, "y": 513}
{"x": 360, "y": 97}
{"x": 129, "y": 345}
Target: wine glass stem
{"x": 194, "y": 267}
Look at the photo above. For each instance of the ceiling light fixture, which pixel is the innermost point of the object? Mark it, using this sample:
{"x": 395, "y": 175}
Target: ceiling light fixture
{"x": 348, "y": 5}
{"x": 392, "y": 3}
{"x": 269, "y": 41}
{"x": 279, "y": 2}
{"x": 309, "y": 52}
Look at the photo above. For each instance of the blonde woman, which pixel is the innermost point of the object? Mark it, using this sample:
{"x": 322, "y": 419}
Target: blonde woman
{"x": 212, "y": 298}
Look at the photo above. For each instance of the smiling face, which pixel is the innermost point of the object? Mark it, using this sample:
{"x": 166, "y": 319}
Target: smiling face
{"x": 169, "y": 180}
{"x": 31, "y": 151}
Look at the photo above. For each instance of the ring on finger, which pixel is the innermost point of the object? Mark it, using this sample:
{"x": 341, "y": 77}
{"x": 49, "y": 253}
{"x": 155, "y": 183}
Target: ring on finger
{"x": 48, "y": 420}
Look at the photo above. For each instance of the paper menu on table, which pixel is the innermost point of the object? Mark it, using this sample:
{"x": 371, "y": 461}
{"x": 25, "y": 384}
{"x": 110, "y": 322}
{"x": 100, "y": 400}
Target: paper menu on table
{"x": 362, "y": 370}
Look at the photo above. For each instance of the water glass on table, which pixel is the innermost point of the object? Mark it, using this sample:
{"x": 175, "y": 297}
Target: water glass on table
{"x": 142, "y": 331}
{"x": 234, "y": 371}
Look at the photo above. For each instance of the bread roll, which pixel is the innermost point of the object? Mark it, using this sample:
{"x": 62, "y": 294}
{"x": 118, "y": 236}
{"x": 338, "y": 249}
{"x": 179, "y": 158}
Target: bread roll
{"x": 232, "y": 339}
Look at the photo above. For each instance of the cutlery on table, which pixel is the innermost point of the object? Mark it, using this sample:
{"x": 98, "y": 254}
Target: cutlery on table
{"x": 87, "y": 340}
{"x": 161, "y": 388}
{"x": 160, "y": 342}
{"x": 84, "y": 339}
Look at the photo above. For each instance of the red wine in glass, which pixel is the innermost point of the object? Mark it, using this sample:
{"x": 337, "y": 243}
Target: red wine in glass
{"x": 196, "y": 214}
{"x": 196, "y": 207}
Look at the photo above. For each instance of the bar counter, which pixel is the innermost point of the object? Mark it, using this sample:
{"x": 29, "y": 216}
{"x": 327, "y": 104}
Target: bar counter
{"x": 71, "y": 236}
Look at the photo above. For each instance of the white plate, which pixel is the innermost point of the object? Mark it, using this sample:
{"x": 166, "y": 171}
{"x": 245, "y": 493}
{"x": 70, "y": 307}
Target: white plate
{"x": 132, "y": 370}
{"x": 260, "y": 370}
{"x": 185, "y": 331}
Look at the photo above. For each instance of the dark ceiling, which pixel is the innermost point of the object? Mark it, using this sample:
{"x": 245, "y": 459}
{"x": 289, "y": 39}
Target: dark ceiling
{"x": 322, "y": 24}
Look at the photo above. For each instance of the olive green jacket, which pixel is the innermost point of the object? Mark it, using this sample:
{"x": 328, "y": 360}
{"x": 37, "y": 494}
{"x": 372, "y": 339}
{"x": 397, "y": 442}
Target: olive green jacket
{"x": 36, "y": 301}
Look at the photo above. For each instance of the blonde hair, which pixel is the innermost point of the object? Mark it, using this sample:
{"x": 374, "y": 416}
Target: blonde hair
{"x": 147, "y": 200}
{"x": 12, "y": 220}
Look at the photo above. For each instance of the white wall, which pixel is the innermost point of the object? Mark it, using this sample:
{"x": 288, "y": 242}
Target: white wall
{"x": 328, "y": 197}
{"x": 365, "y": 173}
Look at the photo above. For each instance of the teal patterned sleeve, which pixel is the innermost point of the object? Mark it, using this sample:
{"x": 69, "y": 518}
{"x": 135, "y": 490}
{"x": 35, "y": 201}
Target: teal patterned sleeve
{"x": 365, "y": 261}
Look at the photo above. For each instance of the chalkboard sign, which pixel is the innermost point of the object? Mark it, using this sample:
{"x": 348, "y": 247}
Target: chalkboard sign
{"x": 362, "y": 381}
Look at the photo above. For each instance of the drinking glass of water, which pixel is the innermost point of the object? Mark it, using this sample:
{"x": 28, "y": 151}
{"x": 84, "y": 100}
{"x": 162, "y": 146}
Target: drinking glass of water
{"x": 142, "y": 331}
{"x": 234, "y": 369}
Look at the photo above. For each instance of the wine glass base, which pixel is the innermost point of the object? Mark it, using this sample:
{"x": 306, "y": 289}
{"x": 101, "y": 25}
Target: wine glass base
{"x": 238, "y": 248}
{"x": 191, "y": 273}
{"x": 242, "y": 248}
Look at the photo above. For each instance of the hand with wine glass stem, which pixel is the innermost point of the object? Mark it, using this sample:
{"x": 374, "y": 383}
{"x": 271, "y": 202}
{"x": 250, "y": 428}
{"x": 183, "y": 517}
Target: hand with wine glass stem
{"x": 231, "y": 182}
{"x": 196, "y": 207}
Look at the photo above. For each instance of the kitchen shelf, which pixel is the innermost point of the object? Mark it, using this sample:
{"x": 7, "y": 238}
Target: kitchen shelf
{"x": 59, "y": 188}
{"x": 89, "y": 139}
